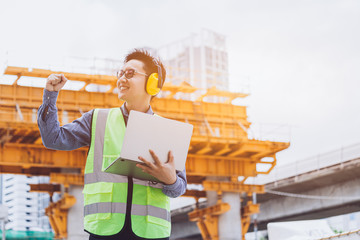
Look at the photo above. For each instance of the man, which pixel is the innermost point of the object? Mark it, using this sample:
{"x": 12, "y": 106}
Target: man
{"x": 117, "y": 207}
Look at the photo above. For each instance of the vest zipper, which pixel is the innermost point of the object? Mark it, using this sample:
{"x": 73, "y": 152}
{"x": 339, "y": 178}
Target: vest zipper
{"x": 129, "y": 203}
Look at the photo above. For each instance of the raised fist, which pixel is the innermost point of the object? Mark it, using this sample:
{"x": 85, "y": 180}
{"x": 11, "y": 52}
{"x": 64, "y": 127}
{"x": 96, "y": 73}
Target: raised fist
{"x": 55, "y": 82}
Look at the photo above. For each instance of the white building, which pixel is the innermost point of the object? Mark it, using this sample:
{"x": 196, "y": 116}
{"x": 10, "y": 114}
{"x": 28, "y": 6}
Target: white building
{"x": 26, "y": 209}
{"x": 200, "y": 60}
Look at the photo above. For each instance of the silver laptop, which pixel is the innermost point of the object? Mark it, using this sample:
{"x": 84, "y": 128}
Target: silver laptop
{"x": 144, "y": 132}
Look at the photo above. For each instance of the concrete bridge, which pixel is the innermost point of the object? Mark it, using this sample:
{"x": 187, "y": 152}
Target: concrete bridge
{"x": 319, "y": 187}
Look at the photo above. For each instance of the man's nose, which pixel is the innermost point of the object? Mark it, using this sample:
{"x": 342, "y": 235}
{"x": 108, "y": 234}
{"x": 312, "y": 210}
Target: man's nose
{"x": 122, "y": 79}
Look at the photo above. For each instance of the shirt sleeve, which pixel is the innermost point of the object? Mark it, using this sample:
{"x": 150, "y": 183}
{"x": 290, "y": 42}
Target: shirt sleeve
{"x": 68, "y": 137}
{"x": 178, "y": 188}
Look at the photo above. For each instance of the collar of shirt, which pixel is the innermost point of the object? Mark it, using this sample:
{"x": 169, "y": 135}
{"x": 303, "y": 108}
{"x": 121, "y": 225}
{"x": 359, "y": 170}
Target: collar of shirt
{"x": 126, "y": 113}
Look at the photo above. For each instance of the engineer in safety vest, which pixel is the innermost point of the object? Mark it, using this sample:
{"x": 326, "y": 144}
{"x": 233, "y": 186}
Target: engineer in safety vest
{"x": 115, "y": 206}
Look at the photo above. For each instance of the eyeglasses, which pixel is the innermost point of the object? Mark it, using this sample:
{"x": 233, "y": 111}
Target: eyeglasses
{"x": 129, "y": 73}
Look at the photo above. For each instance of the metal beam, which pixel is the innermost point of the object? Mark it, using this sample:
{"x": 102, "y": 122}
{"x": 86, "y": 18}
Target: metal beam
{"x": 232, "y": 187}
{"x": 45, "y": 188}
{"x": 37, "y": 160}
{"x": 15, "y": 156}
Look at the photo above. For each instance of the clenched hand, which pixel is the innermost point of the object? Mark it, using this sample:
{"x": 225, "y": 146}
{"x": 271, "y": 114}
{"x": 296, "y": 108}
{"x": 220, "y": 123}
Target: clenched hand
{"x": 55, "y": 82}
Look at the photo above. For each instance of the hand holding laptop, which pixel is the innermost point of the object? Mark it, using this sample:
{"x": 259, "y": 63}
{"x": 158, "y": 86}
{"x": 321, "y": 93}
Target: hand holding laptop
{"x": 144, "y": 132}
{"x": 165, "y": 172}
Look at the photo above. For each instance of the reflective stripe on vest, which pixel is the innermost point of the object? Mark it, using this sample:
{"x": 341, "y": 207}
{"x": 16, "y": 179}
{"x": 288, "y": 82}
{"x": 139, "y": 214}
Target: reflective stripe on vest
{"x": 140, "y": 210}
{"x": 114, "y": 178}
{"x": 103, "y": 207}
{"x": 100, "y": 205}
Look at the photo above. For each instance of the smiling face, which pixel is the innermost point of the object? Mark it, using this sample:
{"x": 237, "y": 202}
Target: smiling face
{"x": 132, "y": 90}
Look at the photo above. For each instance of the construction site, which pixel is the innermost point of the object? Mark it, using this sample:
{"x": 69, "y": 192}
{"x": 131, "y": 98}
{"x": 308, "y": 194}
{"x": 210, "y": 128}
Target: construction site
{"x": 221, "y": 157}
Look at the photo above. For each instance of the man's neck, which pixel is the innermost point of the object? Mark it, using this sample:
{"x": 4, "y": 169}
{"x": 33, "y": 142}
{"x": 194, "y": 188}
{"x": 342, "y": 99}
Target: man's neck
{"x": 137, "y": 107}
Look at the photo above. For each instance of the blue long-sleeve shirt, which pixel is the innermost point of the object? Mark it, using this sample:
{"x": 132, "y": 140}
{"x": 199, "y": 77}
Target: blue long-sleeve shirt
{"x": 77, "y": 134}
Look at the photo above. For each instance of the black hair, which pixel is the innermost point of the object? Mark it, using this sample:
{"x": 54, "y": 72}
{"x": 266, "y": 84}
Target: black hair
{"x": 151, "y": 63}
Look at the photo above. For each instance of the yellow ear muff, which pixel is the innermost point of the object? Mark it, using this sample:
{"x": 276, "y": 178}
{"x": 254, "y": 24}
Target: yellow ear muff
{"x": 152, "y": 84}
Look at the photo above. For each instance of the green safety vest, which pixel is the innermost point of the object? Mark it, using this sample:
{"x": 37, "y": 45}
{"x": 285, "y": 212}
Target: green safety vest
{"x": 105, "y": 194}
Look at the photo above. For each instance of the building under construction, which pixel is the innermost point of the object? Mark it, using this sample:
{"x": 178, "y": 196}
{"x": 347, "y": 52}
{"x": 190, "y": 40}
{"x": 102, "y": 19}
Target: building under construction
{"x": 221, "y": 155}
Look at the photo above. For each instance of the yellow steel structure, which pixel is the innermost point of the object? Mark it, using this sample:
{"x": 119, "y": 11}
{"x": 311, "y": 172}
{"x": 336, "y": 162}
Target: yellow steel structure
{"x": 58, "y": 211}
{"x": 219, "y": 147}
{"x": 246, "y": 213}
{"x": 207, "y": 219}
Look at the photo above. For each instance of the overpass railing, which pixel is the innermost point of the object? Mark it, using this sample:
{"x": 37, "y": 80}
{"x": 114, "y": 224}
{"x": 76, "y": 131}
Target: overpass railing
{"x": 314, "y": 163}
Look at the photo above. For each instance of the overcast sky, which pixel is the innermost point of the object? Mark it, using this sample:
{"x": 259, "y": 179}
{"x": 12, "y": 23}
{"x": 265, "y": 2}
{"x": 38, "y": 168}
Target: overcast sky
{"x": 301, "y": 58}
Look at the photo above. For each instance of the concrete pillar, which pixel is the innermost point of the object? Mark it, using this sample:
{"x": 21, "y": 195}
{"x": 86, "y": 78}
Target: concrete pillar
{"x": 75, "y": 222}
{"x": 211, "y": 197}
{"x": 230, "y": 222}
